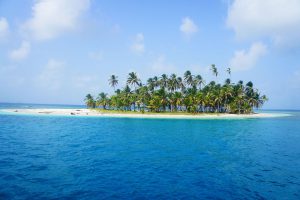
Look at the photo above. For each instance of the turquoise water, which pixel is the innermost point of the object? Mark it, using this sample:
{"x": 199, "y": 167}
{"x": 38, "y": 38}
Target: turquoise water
{"x": 119, "y": 158}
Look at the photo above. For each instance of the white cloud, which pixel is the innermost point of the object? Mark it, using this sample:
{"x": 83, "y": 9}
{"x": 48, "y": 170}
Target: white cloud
{"x": 276, "y": 19}
{"x": 188, "y": 27}
{"x": 21, "y": 53}
{"x": 138, "y": 45}
{"x": 52, "y": 75}
{"x": 4, "y": 28}
{"x": 245, "y": 60}
{"x": 51, "y": 18}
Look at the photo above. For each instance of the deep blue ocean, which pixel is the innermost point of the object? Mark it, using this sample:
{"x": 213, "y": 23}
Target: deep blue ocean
{"x": 57, "y": 157}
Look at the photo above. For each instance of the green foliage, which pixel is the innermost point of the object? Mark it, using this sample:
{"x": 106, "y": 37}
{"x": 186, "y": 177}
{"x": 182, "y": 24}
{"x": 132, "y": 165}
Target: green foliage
{"x": 89, "y": 101}
{"x": 176, "y": 94}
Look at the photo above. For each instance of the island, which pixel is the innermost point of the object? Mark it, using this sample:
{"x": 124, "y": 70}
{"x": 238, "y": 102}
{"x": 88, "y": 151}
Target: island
{"x": 176, "y": 95}
{"x": 170, "y": 97}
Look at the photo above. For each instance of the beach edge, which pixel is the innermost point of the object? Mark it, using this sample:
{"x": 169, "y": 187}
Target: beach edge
{"x": 94, "y": 113}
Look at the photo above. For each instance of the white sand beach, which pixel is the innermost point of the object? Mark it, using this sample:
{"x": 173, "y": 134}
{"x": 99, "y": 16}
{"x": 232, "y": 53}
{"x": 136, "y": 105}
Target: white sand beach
{"x": 88, "y": 112}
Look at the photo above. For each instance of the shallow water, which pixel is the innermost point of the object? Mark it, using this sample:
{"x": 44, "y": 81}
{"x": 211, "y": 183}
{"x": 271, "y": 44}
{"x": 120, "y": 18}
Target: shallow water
{"x": 113, "y": 158}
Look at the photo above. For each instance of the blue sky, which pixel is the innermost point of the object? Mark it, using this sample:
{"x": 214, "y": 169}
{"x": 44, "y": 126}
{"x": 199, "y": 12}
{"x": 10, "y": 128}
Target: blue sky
{"x": 57, "y": 51}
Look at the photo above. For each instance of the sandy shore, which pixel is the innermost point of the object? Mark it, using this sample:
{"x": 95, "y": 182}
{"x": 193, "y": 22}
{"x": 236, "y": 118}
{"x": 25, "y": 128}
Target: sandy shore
{"x": 88, "y": 112}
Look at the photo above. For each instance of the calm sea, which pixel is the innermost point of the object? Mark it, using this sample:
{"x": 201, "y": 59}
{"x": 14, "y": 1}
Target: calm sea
{"x": 56, "y": 157}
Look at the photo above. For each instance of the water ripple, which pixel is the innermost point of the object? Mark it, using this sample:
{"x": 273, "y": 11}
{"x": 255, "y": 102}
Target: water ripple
{"x": 102, "y": 158}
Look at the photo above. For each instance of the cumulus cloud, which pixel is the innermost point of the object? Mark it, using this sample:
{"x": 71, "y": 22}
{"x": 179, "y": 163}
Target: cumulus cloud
{"x": 4, "y": 28}
{"x": 188, "y": 27}
{"x": 51, "y": 18}
{"x": 275, "y": 19}
{"x": 245, "y": 60}
{"x": 138, "y": 45}
{"x": 21, "y": 53}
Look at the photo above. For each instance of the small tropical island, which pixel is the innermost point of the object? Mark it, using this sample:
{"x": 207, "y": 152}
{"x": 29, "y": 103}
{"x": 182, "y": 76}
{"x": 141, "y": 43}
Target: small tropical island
{"x": 176, "y": 95}
{"x": 173, "y": 97}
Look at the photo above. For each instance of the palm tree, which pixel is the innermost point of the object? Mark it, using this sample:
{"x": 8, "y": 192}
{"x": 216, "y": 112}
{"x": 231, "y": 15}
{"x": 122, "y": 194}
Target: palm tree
{"x": 113, "y": 81}
{"x": 163, "y": 95}
{"x": 133, "y": 79}
{"x": 261, "y": 100}
{"x": 143, "y": 97}
{"x": 199, "y": 81}
{"x": 181, "y": 85}
{"x": 163, "y": 81}
{"x": 89, "y": 101}
{"x": 227, "y": 81}
{"x": 226, "y": 94}
{"x": 188, "y": 78}
{"x": 214, "y": 70}
{"x": 127, "y": 89}
{"x": 249, "y": 89}
{"x": 151, "y": 84}
{"x": 174, "y": 93}
{"x": 177, "y": 99}
{"x": 126, "y": 97}
{"x": 228, "y": 71}
{"x": 173, "y": 83}
{"x": 155, "y": 103}
{"x": 118, "y": 91}
{"x": 102, "y": 100}
{"x": 155, "y": 81}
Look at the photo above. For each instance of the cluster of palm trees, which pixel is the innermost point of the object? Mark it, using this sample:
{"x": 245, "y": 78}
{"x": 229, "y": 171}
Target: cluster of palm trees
{"x": 175, "y": 94}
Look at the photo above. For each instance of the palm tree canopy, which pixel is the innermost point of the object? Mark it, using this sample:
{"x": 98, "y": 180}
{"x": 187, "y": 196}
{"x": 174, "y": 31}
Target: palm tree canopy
{"x": 133, "y": 79}
{"x": 199, "y": 81}
{"x": 113, "y": 81}
{"x": 102, "y": 96}
{"x": 214, "y": 69}
{"x": 249, "y": 84}
{"x": 227, "y": 81}
{"x": 174, "y": 93}
{"x": 89, "y": 101}
{"x": 164, "y": 80}
{"x": 127, "y": 89}
{"x": 88, "y": 96}
{"x": 228, "y": 71}
{"x": 188, "y": 78}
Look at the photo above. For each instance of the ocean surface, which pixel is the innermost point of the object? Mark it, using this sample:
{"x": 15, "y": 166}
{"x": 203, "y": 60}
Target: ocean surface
{"x": 57, "y": 157}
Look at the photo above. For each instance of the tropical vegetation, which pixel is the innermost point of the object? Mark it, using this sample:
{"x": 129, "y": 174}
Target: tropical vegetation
{"x": 173, "y": 93}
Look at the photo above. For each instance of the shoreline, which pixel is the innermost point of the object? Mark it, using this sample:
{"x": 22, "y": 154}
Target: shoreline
{"x": 94, "y": 113}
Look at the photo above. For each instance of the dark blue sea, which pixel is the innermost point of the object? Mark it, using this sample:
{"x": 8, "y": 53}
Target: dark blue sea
{"x": 57, "y": 157}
